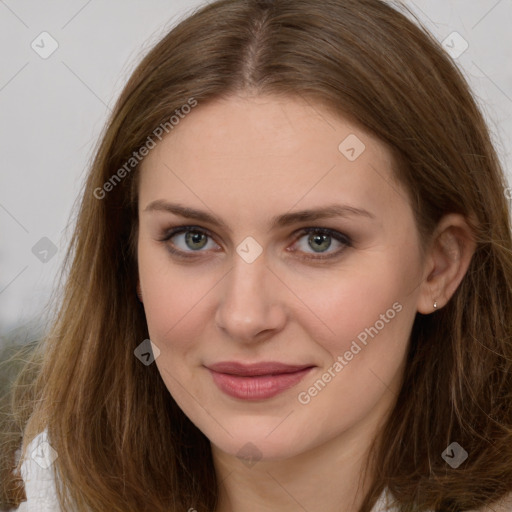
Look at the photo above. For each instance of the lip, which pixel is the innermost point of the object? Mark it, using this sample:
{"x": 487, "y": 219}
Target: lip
{"x": 256, "y": 381}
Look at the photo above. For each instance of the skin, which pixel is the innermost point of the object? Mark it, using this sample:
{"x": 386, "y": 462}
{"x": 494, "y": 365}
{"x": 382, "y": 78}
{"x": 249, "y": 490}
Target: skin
{"x": 246, "y": 159}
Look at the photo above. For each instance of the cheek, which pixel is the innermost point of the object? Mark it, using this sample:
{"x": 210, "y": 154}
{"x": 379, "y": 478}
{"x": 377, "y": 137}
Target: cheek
{"x": 369, "y": 314}
{"x": 174, "y": 298}
{"x": 361, "y": 299}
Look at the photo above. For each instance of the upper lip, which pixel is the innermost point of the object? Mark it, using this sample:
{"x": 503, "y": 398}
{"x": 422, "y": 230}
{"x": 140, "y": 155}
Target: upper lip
{"x": 254, "y": 369}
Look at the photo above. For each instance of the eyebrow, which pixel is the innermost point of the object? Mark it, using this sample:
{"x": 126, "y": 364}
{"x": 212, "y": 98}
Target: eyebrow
{"x": 286, "y": 219}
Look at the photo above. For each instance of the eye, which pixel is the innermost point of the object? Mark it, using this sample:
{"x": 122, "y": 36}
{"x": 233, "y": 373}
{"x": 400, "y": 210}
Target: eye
{"x": 192, "y": 239}
{"x": 189, "y": 239}
{"x": 320, "y": 240}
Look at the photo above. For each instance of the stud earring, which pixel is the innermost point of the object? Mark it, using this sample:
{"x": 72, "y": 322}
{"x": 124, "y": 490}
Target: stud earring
{"x": 435, "y": 304}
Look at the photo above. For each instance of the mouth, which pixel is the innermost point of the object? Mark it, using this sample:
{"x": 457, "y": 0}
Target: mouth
{"x": 256, "y": 381}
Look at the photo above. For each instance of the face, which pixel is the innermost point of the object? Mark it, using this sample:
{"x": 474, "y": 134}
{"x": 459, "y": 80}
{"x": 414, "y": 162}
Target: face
{"x": 245, "y": 279}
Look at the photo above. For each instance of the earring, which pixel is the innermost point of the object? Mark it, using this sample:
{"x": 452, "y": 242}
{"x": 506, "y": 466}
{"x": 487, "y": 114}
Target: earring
{"x": 435, "y": 304}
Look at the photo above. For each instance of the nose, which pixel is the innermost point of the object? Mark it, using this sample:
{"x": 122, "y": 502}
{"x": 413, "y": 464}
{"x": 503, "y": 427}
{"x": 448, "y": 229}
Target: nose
{"x": 251, "y": 307}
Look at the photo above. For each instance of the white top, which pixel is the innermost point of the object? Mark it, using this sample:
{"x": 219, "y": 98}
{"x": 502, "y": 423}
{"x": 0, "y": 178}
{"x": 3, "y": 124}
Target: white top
{"x": 37, "y": 474}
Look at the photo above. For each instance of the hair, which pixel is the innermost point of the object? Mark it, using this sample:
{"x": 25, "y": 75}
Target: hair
{"x": 123, "y": 443}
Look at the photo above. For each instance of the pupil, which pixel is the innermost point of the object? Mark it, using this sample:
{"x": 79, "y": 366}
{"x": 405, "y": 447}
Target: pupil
{"x": 318, "y": 239}
{"x": 195, "y": 238}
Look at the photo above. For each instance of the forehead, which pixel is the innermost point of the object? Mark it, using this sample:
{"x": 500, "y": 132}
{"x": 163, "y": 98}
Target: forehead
{"x": 257, "y": 152}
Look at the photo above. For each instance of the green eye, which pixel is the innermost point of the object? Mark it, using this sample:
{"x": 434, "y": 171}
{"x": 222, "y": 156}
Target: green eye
{"x": 317, "y": 241}
{"x": 320, "y": 240}
{"x": 195, "y": 239}
{"x": 187, "y": 241}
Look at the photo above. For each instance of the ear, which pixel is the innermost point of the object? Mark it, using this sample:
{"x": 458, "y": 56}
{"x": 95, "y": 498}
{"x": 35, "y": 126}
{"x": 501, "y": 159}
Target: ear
{"x": 446, "y": 262}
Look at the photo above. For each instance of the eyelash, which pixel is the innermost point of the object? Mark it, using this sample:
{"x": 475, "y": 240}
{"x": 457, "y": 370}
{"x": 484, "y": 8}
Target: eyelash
{"x": 340, "y": 237}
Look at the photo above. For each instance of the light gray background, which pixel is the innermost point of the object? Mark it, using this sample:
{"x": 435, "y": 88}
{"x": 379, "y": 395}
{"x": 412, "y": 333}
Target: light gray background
{"x": 53, "y": 111}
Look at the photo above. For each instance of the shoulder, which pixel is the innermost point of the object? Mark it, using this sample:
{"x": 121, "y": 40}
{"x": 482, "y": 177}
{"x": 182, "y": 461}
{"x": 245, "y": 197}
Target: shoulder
{"x": 37, "y": 473}
{"x": 504, "y": 505}
{"x": 385, "y": 504}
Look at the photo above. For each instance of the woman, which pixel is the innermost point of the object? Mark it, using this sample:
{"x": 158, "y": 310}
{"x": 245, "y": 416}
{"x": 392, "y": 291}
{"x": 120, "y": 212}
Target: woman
{"x": 298, "y": 203}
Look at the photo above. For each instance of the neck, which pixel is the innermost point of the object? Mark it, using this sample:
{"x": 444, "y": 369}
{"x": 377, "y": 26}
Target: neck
{"x": 327, "y": 477}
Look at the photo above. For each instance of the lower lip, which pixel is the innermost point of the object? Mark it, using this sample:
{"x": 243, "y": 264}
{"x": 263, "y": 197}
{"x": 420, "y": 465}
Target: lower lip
{"x": 257, "y": 388}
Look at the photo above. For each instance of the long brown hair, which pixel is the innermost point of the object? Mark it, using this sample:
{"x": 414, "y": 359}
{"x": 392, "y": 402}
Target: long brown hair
{"x": 123, "y": 443}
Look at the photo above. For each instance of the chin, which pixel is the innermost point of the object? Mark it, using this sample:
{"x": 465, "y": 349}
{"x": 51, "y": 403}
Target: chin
{"x": 253, "y": 440}
{"x": 258, "y": 450}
